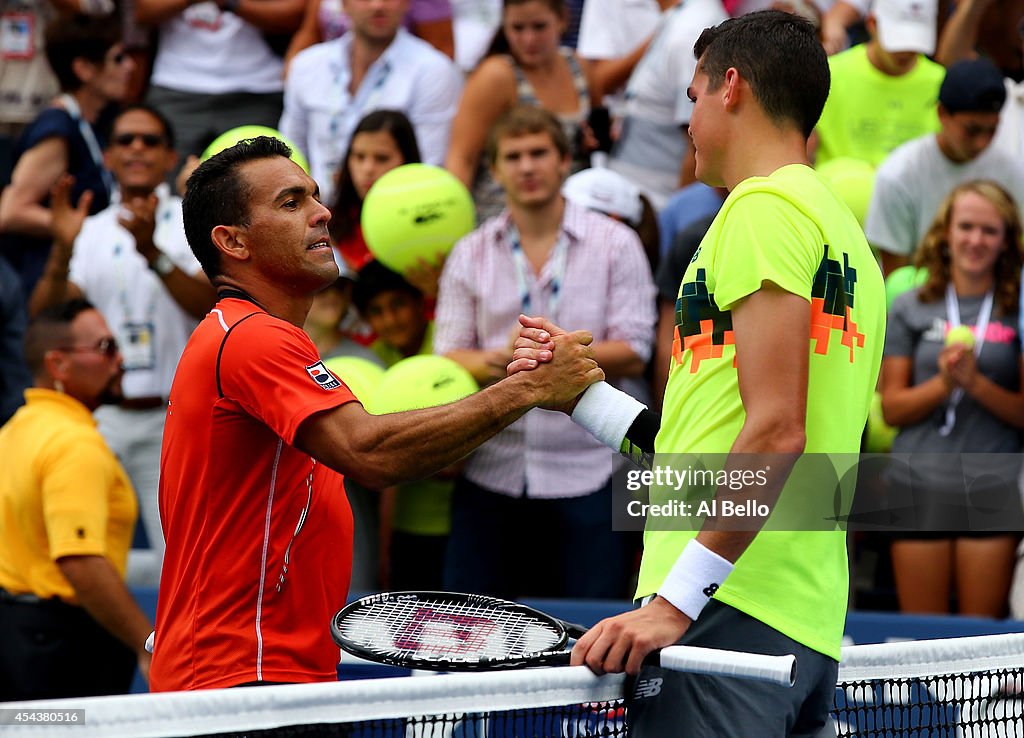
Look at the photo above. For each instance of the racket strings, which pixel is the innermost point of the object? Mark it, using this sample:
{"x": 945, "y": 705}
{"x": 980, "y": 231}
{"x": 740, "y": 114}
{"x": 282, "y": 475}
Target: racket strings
{"x": 453, "y": 629}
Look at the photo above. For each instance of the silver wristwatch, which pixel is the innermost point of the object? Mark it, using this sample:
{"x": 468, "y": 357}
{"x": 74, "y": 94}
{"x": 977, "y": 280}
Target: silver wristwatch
{"x": 162, "y": 265}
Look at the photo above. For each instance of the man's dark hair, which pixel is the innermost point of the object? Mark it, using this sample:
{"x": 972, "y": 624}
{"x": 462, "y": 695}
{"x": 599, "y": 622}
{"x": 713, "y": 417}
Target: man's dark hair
{"x": 525, "y": 120}
{"x": 217, "y": 194}
{"x": 779, "y": 55}
{"x": 375, "y": 278}
{"x": 51, "y": 329}
{"x": 165, "y": 123}
{"x": 78, "y": 36}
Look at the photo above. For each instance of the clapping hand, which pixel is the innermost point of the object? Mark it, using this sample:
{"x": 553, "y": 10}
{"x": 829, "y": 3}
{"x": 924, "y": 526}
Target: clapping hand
{"x": 138, "y": 217}
{"x": 68, "y": 219}
{"x": 960, "y": 366}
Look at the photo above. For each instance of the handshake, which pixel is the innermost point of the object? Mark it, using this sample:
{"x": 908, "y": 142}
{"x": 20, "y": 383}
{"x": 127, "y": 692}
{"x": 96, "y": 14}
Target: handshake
{"x": 557, "y": 365}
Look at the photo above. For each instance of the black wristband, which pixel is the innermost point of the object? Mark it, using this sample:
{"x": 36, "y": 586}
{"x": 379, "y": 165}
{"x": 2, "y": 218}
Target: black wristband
{"x": 642, "y": 432}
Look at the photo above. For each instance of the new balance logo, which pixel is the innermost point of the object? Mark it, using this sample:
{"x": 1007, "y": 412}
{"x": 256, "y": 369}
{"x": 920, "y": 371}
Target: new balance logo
{"x": 709, "y": 591}
{"x": 647, "y": 688}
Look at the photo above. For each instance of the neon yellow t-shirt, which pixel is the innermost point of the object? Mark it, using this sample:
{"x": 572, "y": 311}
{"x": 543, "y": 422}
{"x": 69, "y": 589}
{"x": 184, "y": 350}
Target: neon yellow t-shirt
{"x": 869, "y": 113}
{"x": 62, "y": 493}
{"x": 791, "y": 229}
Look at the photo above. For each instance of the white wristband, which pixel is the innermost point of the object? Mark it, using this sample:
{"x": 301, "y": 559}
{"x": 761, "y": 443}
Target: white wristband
{"x": 607, "y": 413}
{"x": 694, "y": 578}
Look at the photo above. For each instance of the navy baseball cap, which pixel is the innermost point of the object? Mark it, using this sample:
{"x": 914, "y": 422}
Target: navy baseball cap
{"x": 973, "y": 86}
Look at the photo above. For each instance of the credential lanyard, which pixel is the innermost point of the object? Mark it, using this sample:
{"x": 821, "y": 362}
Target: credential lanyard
{"x": 71, "y": 106}
{"x": 382, "y": 68}
{"x": 980, "y": 329}
{"x": 557, "y": 271}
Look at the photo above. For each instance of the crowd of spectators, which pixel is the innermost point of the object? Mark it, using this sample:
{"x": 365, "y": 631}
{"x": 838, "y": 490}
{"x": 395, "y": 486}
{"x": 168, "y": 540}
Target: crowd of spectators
{"x": 106, "y": 106}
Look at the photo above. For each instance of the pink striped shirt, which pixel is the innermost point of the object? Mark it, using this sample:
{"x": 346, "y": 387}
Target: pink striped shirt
{"x": 606, "y": 288}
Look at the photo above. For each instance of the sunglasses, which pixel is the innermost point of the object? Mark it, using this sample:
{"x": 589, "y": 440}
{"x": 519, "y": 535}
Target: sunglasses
{"x": 106, "y": 346}
{"x": 149, "y": 140}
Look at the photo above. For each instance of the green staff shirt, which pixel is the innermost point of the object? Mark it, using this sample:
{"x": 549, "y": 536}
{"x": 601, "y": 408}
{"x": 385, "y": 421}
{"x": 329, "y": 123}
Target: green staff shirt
{"x": 869, "y": 113}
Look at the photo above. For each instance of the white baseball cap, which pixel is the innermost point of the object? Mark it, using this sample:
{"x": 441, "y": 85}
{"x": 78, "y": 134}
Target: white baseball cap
{"x": 906, "y": 25}
{"x": 607, "y": 192}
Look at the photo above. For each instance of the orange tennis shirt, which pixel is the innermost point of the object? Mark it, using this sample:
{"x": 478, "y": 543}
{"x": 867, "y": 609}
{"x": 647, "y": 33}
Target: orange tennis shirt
{"x": 259, "y": 534}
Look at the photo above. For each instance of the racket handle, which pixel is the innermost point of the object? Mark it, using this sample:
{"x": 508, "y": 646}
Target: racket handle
{"x": 572, "y": 629}
{"x": 779, "y": 670}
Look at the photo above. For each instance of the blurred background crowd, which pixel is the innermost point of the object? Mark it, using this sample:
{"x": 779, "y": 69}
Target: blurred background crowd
{"x": 106, "y": 106}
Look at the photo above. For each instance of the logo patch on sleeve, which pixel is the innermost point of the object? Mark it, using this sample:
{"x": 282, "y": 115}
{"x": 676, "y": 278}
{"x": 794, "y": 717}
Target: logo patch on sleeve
{"x": 322, "y": 376}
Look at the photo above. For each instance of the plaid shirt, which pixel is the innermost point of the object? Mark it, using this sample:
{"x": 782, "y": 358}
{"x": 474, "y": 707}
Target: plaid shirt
{"x": 606, "y": 288}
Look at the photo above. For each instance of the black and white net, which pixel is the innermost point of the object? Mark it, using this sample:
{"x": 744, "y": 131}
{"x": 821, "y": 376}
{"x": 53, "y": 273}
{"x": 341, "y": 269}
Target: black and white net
{"x": 953, "y": 688}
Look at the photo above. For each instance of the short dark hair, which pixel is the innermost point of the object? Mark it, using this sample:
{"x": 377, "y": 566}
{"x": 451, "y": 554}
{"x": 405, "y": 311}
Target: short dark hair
{"x": 78, "y": 36}
{"x": 524, "y": 120}
{"x": 779, "y": 55}
{"x": 375, "y": 278}
{"x": 165, "y": 123}
{"x": 51, "y": 329}
{"x": 216, "y": 194}
{"x": 347, "y": 205}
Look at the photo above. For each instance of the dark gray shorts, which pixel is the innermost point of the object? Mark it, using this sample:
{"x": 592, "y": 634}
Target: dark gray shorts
{"x": 696, "y": 706}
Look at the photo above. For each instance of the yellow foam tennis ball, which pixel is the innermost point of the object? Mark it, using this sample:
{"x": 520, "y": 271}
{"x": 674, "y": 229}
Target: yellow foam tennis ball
{"x": 880, "y": 434}
{"x": 422, "y": 381}
{"x": 960, "y": 334}
{"x": 853, "y": 180}
{"x": 360, "y": 375}
{"x": 901, "y": 280}
{"x": 243, "y": 133}
{"x": 415, "y": 211}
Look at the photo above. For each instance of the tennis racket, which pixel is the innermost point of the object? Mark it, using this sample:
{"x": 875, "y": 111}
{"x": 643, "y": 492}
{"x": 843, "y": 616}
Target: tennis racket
{"x": 447, "y": 631}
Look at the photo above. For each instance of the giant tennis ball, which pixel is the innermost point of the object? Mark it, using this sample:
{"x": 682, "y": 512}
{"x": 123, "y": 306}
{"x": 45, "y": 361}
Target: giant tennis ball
{"x": 422, "y": 381}
{"x": 960, "y": 334}
{"x": 360, "y": 375}
{"x": 902, "y": 280}
{"x": 853, "y": 180}
{"x": 415, "y": 211}
{"x": 243, "y": 133}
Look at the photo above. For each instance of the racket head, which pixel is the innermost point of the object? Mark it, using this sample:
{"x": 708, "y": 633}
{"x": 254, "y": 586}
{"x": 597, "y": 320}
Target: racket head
{"x": 445, "y": 631}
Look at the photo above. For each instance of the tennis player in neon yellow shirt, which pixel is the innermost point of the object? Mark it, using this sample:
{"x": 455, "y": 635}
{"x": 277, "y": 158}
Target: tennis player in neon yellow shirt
{"x": 780, "y": 326}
